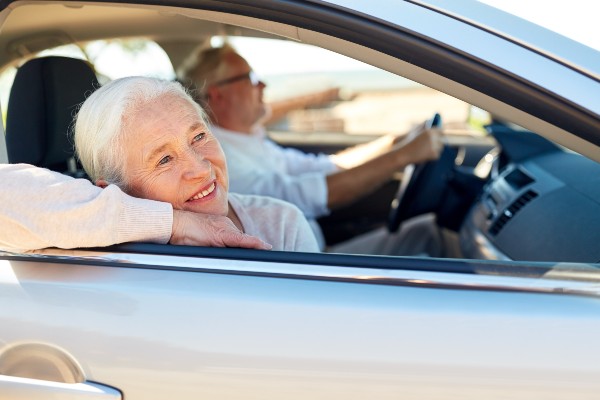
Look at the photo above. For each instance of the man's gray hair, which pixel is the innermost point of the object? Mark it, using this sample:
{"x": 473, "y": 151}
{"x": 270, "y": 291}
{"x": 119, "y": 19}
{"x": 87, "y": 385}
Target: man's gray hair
{"x": 101, "y": 122}
{"x": 205, "y": 67}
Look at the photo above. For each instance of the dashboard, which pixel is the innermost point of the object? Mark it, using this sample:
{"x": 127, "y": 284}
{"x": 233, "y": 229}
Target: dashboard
{"x": 543, "y": 204}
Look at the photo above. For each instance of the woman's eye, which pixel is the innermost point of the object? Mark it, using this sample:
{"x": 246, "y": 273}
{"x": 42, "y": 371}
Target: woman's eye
{"x": 164, "y": 160}
{"x": 198, "y": 137}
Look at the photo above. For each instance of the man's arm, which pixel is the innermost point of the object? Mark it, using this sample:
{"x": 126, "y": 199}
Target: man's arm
{"x": 349, "y": 185}
{"x": 280, "y": 108}
{"x": 360, "y": 154}
{"x": 40, "y": 208}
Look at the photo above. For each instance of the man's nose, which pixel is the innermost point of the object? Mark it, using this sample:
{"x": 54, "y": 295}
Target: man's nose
{"x": 262, "y": 85}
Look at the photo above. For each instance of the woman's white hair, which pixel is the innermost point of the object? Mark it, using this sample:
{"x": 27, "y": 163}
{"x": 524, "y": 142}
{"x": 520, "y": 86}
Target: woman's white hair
{"x": 101, "y": 121}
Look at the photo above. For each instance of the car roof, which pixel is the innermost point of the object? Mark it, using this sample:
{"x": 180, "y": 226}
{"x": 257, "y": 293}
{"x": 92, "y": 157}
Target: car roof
{"x": 508, "y": 26}
{"x": 56, "y": 24}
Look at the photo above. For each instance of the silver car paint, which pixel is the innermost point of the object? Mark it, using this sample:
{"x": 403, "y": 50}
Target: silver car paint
{"x": 157, "y": 333}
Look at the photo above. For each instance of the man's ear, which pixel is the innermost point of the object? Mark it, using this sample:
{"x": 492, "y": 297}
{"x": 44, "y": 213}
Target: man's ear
{"x": 212, "y": 93}
{"x": 101, "y": 183}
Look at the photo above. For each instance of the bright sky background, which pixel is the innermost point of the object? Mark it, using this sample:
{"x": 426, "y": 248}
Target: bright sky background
{"x": 576, "y": 19}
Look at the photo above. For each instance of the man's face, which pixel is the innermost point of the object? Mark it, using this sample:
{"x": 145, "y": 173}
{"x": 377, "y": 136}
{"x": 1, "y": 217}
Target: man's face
{"x": 242, "y": 94}
{"x": 171, "y": 156}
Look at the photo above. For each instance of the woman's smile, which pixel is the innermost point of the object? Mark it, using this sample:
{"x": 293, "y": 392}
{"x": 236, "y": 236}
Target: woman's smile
{"x": 205, "y": 194}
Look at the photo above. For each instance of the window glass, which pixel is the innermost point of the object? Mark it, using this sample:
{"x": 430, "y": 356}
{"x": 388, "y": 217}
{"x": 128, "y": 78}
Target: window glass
{"x": 111, "y": 58}
{"x": 364, "y": 99}
{"x": 119, "y": 58}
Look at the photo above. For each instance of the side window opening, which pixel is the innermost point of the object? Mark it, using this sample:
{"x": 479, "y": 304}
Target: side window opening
{"x": 366, "y": 100}
{"x": 111, "y": 59}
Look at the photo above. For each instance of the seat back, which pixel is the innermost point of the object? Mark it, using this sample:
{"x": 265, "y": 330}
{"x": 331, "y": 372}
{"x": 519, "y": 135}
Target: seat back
{"x": 44, "y": 98}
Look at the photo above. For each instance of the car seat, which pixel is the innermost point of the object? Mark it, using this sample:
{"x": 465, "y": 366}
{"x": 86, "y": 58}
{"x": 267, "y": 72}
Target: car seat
{"x": 45, "y": 95}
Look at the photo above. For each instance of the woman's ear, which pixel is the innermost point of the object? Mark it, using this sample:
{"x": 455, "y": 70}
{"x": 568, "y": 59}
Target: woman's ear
{"x": 101, "y": 183}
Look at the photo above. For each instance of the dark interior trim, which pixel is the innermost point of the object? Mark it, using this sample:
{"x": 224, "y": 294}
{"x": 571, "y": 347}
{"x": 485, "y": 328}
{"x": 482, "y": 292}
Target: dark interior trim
{"x": 525, "y": 269}
{"x": 299, "y": 275}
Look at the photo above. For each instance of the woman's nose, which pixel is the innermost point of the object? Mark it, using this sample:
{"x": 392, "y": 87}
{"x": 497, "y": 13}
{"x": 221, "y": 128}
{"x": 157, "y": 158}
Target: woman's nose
{"x": 197, "y": 167}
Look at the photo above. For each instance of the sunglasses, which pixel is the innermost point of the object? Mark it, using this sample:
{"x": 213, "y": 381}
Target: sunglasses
{"x": 254, "y": 79}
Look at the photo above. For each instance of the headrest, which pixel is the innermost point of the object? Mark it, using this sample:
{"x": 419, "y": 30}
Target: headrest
{"x": 44, "y": 98}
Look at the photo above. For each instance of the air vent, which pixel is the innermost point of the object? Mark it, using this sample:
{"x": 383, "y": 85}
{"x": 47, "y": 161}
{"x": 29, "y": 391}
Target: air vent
{"x": 511, "y": 210}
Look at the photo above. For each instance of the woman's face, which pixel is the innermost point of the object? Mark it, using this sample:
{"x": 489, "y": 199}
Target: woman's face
{"x": 171, "y": 156}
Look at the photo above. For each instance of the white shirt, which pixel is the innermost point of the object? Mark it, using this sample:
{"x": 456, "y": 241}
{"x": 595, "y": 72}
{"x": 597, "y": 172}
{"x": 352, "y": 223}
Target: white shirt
{"x": 256, "y": 165}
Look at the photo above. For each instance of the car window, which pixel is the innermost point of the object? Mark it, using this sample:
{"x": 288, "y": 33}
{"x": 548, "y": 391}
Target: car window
{"x": 364, "y": 100}
{"x": 111, "y": 59}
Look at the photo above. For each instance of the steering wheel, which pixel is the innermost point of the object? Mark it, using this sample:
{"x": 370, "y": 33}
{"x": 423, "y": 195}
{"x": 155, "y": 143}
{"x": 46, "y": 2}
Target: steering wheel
{"x": 423, "y": 185}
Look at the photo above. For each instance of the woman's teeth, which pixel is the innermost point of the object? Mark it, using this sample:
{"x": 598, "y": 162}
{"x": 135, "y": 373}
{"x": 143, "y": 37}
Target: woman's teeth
{"x": 206, "y": 192}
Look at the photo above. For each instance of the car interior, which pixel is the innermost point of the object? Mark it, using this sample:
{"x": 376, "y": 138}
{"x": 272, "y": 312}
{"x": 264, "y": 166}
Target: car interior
{"x": 42, "y": 103}
{"x": 490, "y": 189}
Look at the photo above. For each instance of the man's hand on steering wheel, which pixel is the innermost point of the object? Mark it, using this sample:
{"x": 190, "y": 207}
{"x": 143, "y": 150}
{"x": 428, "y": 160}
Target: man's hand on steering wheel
{"x": 424, "y": 144}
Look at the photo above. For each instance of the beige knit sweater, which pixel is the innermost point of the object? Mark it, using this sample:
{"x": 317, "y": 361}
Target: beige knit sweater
{"x": 40, "y": 208}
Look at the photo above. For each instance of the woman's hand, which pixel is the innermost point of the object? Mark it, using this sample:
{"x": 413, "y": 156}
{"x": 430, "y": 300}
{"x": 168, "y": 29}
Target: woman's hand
{"x": 193, "y": 229}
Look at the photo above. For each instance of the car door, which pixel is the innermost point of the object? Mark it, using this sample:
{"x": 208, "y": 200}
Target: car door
{"x": 225, "y": 324}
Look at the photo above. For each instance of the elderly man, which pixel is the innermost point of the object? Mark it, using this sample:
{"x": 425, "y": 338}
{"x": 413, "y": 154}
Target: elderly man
{"x": 233, "y": 96}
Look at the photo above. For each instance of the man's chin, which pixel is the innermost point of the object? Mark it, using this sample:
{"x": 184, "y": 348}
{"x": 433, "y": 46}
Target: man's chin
{"x": 266, "y": 111}
{"x": 261, "y": 118}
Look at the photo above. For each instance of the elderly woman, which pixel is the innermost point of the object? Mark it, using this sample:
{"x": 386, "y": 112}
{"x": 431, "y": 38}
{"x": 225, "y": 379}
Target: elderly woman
{"x": 150, "y": 138}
